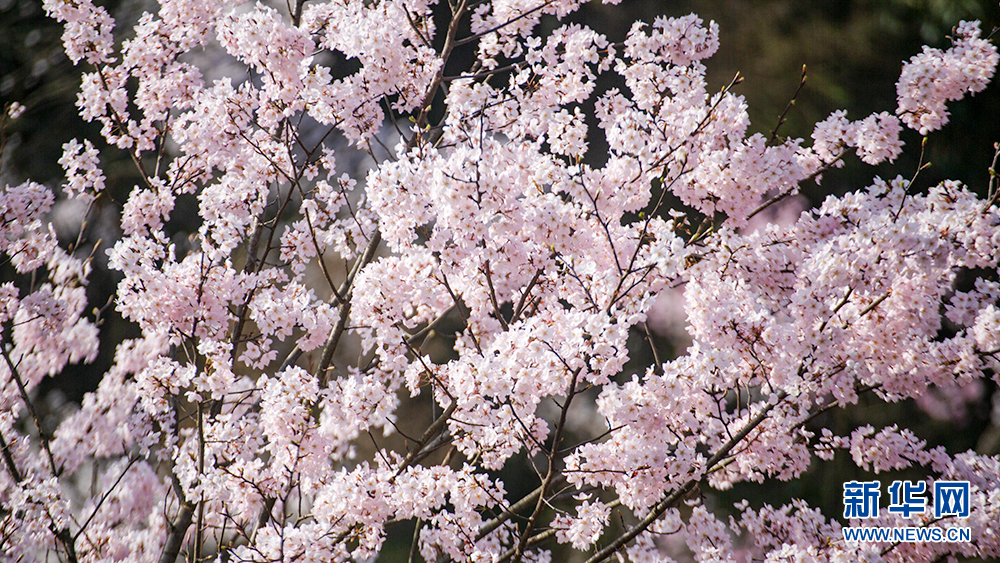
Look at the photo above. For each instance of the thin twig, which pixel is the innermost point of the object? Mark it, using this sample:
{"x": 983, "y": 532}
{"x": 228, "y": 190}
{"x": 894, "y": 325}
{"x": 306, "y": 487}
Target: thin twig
{"x": 42, "y": 434}
{"x": 426, "y": 437}
{"x": 524, "y": 296}
{"x": 791, "y": 102}
{"x": 500, "y": 26}
{"x": 550, "y": 473}
{"x": 493, "y": 296}
{"x": 993, "y": 192}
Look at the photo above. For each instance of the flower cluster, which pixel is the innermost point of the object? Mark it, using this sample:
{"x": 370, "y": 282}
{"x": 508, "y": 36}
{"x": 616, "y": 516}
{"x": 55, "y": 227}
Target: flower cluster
{"x": 329, "y": 352}
{"x": 875, "y": 137}
{"x": 83, "y": 171}
{"x": 935, "y": 77}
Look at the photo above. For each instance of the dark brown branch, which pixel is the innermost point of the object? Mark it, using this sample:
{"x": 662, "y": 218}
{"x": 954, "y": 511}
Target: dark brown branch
{"x": 461, "y": 311}
{"x": 790, "y": 191}
{"x": 178, "y": 527}
{"x": 297, "y": 15}
{"x": 449, "y": 45}
{"x": 415, "y": 542}
{"x": 524, "y": 296}
{"x": 433, "y": 429}
{"x": 43, "y": 436}
{"x": 105, "y": 497}
{"x": 506, "y": 515}
{"x": 9, "y": 460}
{"x": 534, "y": 540}
{"x": 680, "y": 493}
{"x": 241, "y": 314}
{"x": 992, "y": 192}
{"x": 493, "y": 296}
{"x": 498, "y": 27}
{"x": 345, "y": 307}
{"x": 550, "y": 473}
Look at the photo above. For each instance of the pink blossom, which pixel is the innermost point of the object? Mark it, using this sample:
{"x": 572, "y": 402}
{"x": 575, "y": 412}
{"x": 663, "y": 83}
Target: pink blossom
{"x": 400, "y": 282}
{"x": 934, "y": 77}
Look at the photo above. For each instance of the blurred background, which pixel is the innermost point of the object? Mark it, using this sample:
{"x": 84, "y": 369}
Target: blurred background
{"x": 853, "y": 50}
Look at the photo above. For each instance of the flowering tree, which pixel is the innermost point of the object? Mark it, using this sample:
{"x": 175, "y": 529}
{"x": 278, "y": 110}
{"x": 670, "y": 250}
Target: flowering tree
{"x": 235, "y": 426}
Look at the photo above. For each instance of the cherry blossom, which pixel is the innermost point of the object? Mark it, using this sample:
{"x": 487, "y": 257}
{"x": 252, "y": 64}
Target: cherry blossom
{"x": 332, "y": 351}
{"x": 935, "y": 77}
